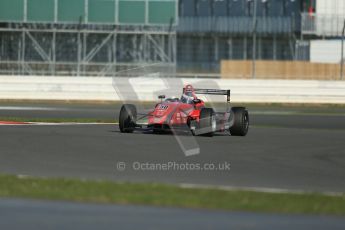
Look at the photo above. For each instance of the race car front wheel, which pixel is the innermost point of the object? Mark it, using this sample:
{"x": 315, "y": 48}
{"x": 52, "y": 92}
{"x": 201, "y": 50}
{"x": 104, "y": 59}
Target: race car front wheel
{"x": 207, "y": 124}
{"x": 127, "y": 118}
{"x": 241, "y": 121}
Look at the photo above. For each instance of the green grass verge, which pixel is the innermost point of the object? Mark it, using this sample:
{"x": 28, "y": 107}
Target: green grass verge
{"x": 169, "y": 196}
{"x": 58, "y": 120}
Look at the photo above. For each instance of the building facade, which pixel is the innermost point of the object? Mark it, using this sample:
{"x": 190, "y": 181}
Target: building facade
{"x": 212, "y": 30}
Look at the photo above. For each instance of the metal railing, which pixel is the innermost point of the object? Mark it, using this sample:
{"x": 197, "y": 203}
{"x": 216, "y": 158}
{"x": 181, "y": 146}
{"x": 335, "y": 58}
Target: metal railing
{"x": 39, "y": 68}
{"x": 322, "y": 24}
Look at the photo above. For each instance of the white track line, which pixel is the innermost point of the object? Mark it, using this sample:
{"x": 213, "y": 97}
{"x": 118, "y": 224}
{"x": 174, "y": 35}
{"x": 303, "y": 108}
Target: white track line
{"x": 57, "y": 124}
{"x": 67, "y": 123}
{"x": 273, "y": 112}
{"x": 229, "y": 188}
{"x": 256, "y": 189}
{"x": 26, "y": 108}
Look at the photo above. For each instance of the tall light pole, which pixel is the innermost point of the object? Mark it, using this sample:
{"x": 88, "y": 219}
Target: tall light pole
{"x": 254, "y": 38}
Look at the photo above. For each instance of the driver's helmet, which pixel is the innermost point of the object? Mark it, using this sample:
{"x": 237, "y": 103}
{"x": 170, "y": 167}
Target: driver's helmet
{"x": 187, "y": 96}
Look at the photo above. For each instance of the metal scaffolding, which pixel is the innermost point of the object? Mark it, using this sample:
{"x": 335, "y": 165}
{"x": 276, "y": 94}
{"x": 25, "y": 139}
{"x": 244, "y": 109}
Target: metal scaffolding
{"x": 87, "y": 37}
{"x": 85, "y": 50}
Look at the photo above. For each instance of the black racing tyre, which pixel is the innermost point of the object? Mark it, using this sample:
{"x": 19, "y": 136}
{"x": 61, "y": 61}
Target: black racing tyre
{"x": 191, "y": 123}
{"x": 207, "y": 124}
{"x": 127, "y": 118}
{"x": 240, "y": 125}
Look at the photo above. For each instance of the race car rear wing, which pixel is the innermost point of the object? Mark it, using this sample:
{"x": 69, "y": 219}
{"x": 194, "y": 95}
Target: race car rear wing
{"x": 213, "y": 92}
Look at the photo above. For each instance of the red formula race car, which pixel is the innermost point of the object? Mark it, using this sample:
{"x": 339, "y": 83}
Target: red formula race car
{"x": 187, "y": 113}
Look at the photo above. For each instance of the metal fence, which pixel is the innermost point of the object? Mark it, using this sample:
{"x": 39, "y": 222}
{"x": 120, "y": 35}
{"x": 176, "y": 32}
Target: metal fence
{"x": 197, "y": 46}
{"x": 237, "y": 25}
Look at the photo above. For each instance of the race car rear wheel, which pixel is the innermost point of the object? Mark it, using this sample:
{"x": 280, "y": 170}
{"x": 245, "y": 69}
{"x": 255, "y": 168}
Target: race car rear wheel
{"x": 127, "y": 118}
{"x": 207, "y": 124}
{"x": 241, "y": 121}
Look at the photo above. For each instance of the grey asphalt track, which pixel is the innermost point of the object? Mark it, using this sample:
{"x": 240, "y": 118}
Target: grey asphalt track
{"x": 300, "y": 117}
{"x": 285, "y": 149}
{"x": 32, "y": 214}
{"x": 302, "y": 153}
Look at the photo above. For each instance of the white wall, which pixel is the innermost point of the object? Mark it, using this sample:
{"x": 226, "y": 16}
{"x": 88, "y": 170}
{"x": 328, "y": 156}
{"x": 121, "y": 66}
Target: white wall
{"x": 325, "y": 51}
{"x": 330, "y": 7}
{"x": 147, "y": 89}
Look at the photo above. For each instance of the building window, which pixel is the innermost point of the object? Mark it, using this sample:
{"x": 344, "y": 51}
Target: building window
{"x": 266, "y": 7}
{"x": 181, "y": 8}
{"x": 196, "y": 7}
{"x": 249, "y": 7}
{"x": 285, "y": 6}
{"x": 308, "y": 6}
